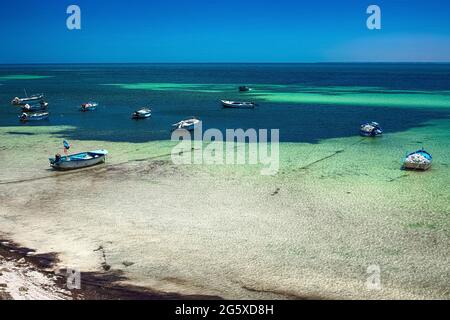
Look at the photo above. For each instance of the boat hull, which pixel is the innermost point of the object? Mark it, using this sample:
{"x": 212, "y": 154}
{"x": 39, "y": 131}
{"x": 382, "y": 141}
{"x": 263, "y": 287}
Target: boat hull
{"x": 374, "y": 133}
{"x": 84, "y": 109}
{"x": 190, "y": 127}
{"x": 141, "y": 116}
{"x": 416, "y": 166}
{"x": 238, "y": 107}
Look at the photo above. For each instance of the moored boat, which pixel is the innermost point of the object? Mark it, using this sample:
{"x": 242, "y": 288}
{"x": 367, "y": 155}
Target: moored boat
{"x": 244, "y": 89}
{"x": 78, "y": 160}
{"x": 237, "y": 104}
{"x": 142, "y": 113}
{"x": 89, "y": 106}
{"x": 21, "y": 101}
{"x": 33, "y": 116}
{"x": 188, "y": 124}
{"x": 418, "y": 160}
{"x": 35, "y": 107}
{"x": 370, "y": 129}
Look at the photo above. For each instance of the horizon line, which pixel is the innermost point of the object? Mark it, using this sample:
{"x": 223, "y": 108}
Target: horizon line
{"x": 318, "y": 62}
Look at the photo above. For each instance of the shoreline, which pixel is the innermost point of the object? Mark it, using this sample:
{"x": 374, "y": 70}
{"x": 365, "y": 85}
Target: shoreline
{"x": 25, "y": 275}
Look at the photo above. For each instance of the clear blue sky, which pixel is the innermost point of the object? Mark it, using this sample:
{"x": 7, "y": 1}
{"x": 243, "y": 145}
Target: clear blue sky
{"x": 224, "y": 31}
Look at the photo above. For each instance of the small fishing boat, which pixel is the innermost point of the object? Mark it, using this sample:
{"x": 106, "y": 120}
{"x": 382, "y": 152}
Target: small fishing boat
{"x": 237, "y": 104}
{"x": 33, "y": 116}
{"x": 142, "y": 113}
{"x": 244, "y": 89}
{"x": 78, "y": 160}
{"x": 370, "y": 129}
{"x": 188, "y": 124}
{"x": 418, "y": 160}
{"x": 21, "y": 101}
{"x": 89, "y": 106}
{"x": 35, "y": 107}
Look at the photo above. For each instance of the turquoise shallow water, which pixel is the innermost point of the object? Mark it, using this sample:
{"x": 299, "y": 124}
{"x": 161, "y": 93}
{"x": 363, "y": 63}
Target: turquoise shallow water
{"x": 316, "y": 107}
{"x": 338, "y": 204}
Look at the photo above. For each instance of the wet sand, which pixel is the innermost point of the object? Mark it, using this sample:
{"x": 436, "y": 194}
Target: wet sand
{"x": 25, "y": 275}
{"x": 312, "y": 230}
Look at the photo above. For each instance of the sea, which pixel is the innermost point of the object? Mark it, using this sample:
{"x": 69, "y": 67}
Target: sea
{"x": 306, "y": 102}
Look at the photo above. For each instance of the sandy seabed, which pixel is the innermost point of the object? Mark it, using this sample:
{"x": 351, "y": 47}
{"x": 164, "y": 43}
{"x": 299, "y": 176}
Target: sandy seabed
{"x": 311, "y": 231}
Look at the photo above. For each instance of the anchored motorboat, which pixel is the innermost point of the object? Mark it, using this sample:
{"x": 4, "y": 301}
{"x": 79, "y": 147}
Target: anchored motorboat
{"x": 188, "y": 124}
{"x": 237, "y": 104}
{"x": 33, "y": 98}
{"x": 142, "y": 113}
{"x": 35, "y": 107}
{"x": 89, "y": 106}
{"x": 418, "y": 160}
{"x": 33, "y": 116}
{"x": 244, "y": 89}
{"x": 370, "y": 129}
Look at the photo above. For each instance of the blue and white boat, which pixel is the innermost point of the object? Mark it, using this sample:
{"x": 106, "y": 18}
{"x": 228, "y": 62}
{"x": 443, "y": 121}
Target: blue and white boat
{"x": 89, "y": 106}
{"x": 21, "y": 101}
{"x": 35, "y": 107}
{"x": 418, "y": 160}
{"x": 370, "y": 129}
{"x": 33, "y": 116}
{"x": 142, "y": 113}
{"x": 78, "y": 160}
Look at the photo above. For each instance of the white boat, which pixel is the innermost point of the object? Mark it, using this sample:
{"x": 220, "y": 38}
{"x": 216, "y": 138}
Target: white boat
{"x": 35, "y": 107}
{"x": 89, "y": 106}
{"x": 418, "y": 160}
{"x": 188, "y": 124}
{"x": 79, "y": 160}
{"x": 237, "y": 104}
{"x": 21, "y": 101}
{"x": 142, "y": 113}
{"x": 33, "y": 116}
{"x": 370, "y": 129}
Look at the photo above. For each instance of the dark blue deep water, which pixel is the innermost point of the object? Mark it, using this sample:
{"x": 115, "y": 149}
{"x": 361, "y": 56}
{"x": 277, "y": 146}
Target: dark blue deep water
{"x": 70, "y": 85}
